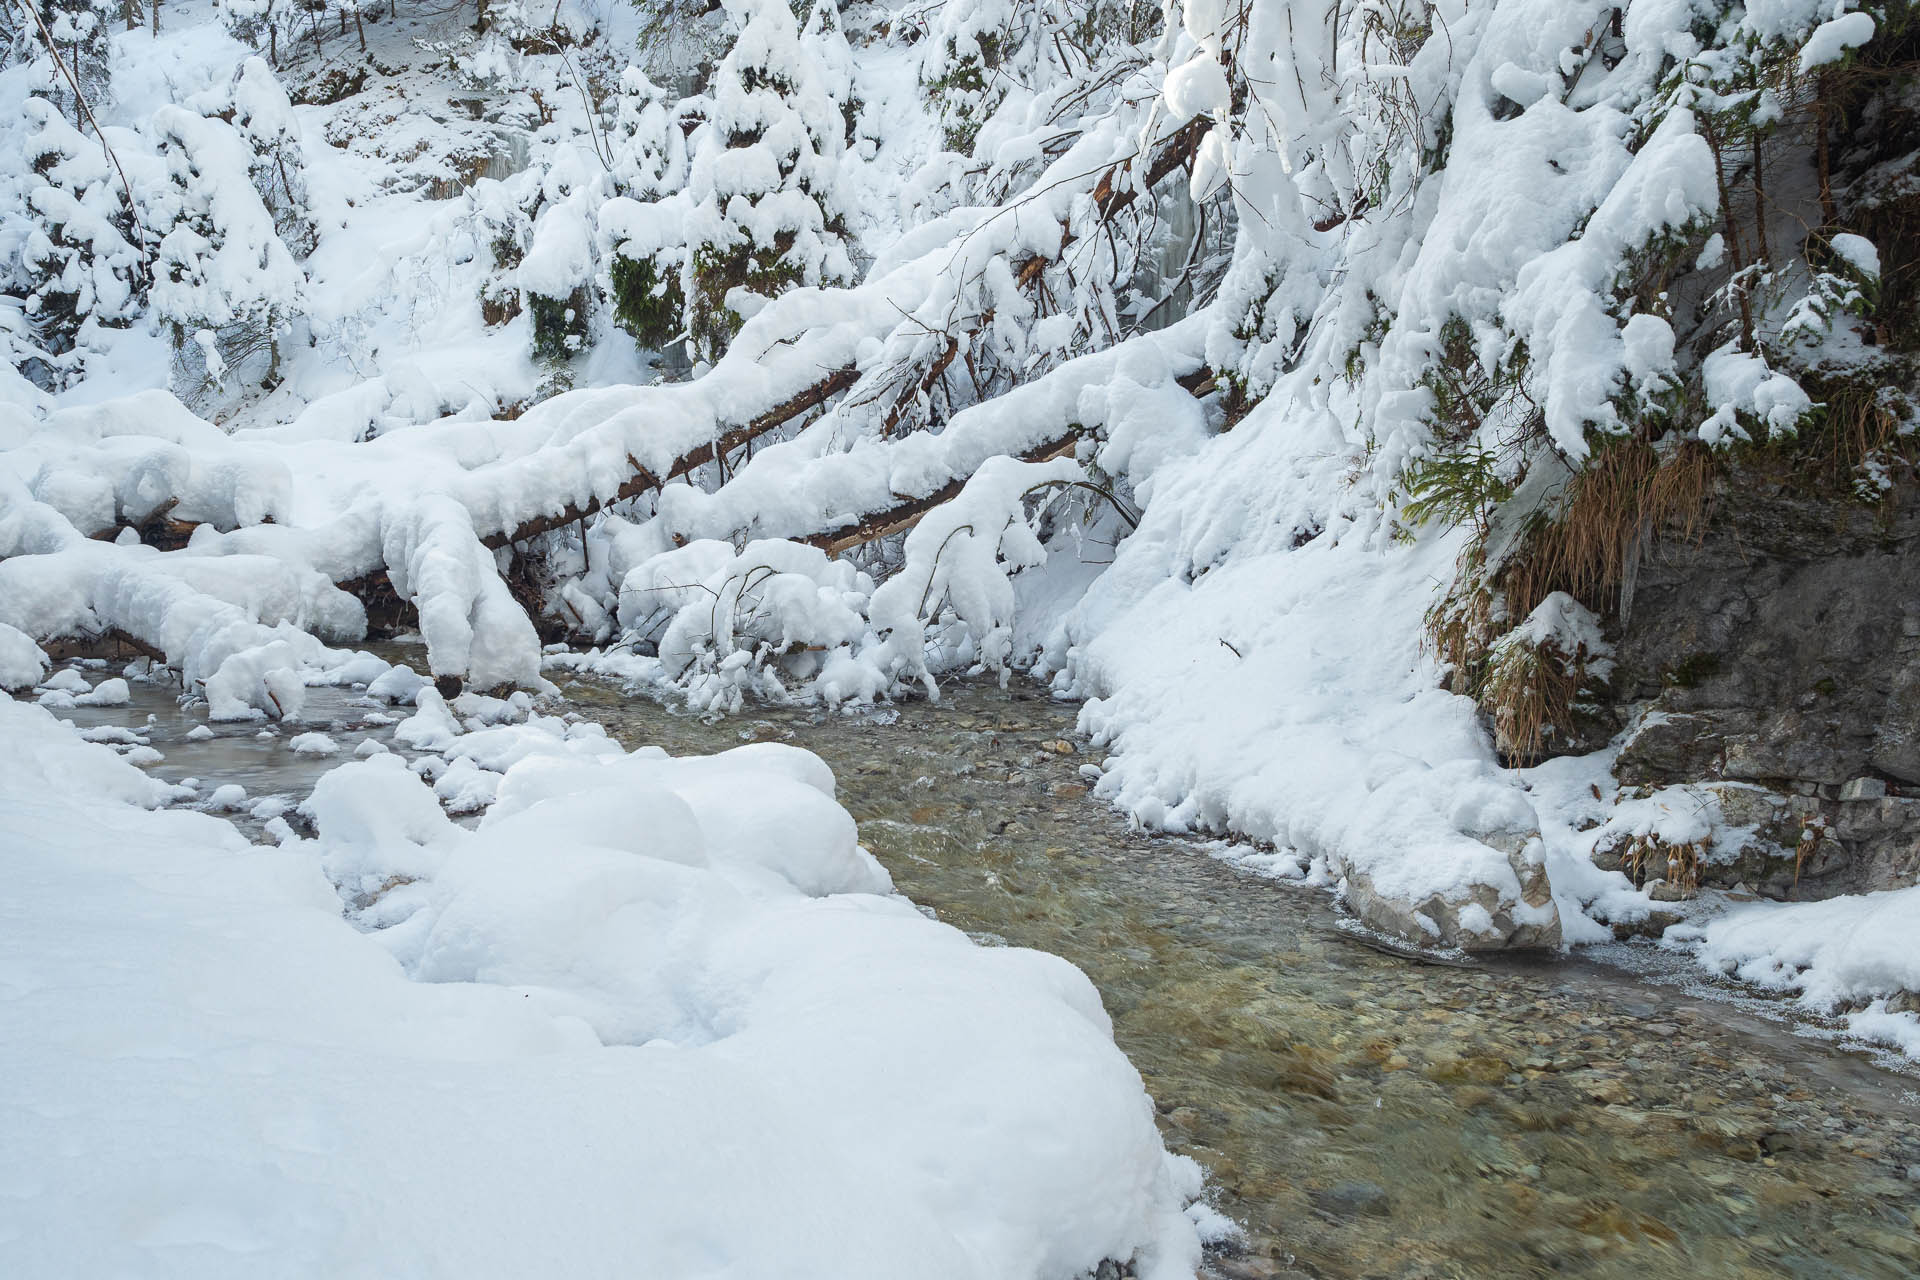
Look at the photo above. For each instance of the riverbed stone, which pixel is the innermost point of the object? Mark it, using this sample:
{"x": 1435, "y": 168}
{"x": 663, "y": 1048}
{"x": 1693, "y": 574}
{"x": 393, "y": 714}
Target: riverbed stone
{"x": 1351, "y": 1199}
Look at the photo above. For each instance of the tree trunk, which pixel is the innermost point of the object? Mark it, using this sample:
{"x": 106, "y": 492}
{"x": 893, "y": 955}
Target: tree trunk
{"x": 1829, "y": 214}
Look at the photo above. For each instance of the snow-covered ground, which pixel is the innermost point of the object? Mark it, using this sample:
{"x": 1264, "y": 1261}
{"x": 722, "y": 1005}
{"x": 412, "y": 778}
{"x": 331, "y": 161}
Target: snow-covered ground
{"x": 649, "y": 1013}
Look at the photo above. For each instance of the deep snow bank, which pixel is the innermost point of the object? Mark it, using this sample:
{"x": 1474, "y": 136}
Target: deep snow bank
{"x": 1253, "y": 662}
{"x": 628, "y": 1024}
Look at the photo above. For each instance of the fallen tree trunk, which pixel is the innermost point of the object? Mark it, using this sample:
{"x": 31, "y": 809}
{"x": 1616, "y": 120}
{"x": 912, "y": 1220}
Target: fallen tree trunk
{"x": 1175, "y": 153}
{"x": 156, "y": 529}
{"x": 910, "y": 511}
{"x": 642, "y": 480}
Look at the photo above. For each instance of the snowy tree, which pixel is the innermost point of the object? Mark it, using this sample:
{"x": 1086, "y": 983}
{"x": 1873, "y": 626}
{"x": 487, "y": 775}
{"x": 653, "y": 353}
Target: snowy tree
{"x": 82, "y": 265}
{"x": 555, "y": 275}
{"x": 256, "y": 23}
{"x": 80, "y": 30}
{"x": 765, "y": 212}
{"x": 824, "y": 42}
{"x": 350, "y": 10}
{"x": 649, "y": 149}
{"x": 964, "y": 62}
{"x": 501, "y": 215}
{"x": 225, "y": 281}
{"x": 644, "y": 257}
{"x": 508, "y": 30}
{"x": 263, "y": 114}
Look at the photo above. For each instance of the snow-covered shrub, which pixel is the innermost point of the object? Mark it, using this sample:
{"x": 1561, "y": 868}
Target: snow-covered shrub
{"x": 509, "y": 30}
{"x": 964, "y": 63}
{"x": 649, "y": 165}
{"x": 953, "y": 593}
{"x": 1535, "y": 672}
{"x": 648, "y": 149}
{"x": 502, "y": 222}
{"x": 749, "y": 624}
{"x": 224, "y": 281}
{"x": 648, "y": 301}
{"x": 823, "y": 42}
{"x": 780, "y": 620}
{"x": 981, "y": 55}
{"x": 82, "y": 265}
{"x": 556, "y": 273}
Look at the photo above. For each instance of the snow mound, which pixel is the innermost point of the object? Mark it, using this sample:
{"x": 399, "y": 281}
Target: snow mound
{"x": 675, "y": 990}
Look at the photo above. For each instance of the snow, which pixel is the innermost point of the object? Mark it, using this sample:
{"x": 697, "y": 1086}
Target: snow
{"x": 316, "y": 744}
{"x": 1197, "y": 87}
{"x": 1858, "y": 252}
{"x": 22, "y": 663}
{"x": 625, "y": 976}
{"x": 1831, "y": 40}
{"x": 323, "y": 383}
{"x": 108, "y": 693}
{"x": 1845, "y": 953}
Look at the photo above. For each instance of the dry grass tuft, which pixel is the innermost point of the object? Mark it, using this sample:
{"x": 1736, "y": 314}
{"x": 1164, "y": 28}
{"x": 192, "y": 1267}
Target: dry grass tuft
{"x": 1529, "y": 692}
{"x": 1626, "y": 496}
{"x": 1649, "y": 858}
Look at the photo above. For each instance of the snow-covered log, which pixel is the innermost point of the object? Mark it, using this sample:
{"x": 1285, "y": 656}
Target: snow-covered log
{"x": 806, "y": 489}
{"x": 641, "y": 480}
{"x": 243, "y": 629}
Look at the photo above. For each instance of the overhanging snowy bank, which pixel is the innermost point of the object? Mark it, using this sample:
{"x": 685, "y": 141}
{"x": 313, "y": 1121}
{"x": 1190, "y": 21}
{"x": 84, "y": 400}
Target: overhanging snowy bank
{"x": 627, "y": 1022}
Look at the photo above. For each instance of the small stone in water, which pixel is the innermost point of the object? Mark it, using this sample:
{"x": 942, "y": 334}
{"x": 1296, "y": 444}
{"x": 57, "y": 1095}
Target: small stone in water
{"x": 1346, "y": 1199}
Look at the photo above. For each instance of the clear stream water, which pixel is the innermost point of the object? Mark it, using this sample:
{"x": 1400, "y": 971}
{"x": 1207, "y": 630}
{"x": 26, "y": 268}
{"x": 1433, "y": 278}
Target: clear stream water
{"x": 1361, "y": 1115}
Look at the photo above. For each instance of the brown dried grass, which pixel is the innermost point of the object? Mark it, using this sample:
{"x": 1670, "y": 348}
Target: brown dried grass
{"x": 1626, "y": 496}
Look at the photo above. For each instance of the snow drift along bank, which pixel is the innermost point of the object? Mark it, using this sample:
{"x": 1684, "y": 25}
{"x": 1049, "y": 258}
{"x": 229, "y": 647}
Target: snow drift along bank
{"x": 628, "y": 1023}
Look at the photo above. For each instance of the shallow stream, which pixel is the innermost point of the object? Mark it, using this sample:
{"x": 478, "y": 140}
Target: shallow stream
{"x": 1362, "y": 1115}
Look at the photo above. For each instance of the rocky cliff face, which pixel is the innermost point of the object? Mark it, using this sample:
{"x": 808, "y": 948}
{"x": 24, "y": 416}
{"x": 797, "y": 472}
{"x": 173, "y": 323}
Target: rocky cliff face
{"x": 1775, "y": 660}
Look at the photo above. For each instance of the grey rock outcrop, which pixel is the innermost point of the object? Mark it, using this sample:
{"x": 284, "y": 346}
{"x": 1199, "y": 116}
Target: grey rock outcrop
{"x": 1778, "y": 659}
